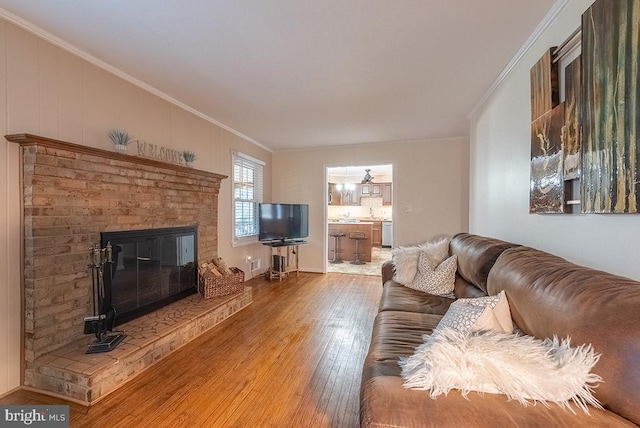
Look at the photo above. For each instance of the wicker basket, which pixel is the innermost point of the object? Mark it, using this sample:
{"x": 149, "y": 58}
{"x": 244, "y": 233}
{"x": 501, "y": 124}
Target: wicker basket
{"x": 221, "y": 285}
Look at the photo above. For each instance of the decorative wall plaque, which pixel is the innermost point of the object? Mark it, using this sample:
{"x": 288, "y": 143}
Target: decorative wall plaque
{"x": 546, "y": 193}
{"x": 611, "y": 107}
{"x": 573, "y": 130}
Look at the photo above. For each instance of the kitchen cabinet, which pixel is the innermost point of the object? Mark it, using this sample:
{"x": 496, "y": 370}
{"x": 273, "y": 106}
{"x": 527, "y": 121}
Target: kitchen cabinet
{"x": 371, "y": 189}
{"x": 353, "y": 196}
{"x": 376, "y": 190}
{"x": 335, "y": 196}
{"x": 344, "y": 196}
{"x": 387, "y": 195}
{"x": 376, "y": 234}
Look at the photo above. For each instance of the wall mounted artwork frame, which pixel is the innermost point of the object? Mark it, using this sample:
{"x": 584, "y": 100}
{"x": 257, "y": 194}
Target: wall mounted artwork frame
{"x": 610, "y": 114}
{"x": 547, "y": 187}
{"x": 556, "y": 133}
{"x": 573, "y": 130}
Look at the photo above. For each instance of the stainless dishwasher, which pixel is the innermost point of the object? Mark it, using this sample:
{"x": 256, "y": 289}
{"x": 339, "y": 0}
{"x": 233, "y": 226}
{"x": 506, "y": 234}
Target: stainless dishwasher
{"x": 387, "y": 233}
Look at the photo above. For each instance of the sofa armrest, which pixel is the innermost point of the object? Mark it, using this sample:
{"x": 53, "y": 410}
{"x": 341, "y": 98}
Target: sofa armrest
{"x": 387, "y": 271}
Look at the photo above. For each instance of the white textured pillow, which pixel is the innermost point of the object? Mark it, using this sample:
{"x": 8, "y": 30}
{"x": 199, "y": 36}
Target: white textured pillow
{"x": 439, "y": 280}
{"x": 478, "y": 314}
{"x": 405, "y": 259}
{"x": 521, "y": 367}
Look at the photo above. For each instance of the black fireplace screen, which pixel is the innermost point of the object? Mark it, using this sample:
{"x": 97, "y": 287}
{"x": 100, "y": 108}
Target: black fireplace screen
{"x": 151, "y": 268}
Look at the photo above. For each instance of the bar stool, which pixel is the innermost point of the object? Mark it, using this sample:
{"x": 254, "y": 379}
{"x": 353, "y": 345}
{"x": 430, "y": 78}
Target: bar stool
{"x": 336, "y": 234}
{"x": 357, "y": 236}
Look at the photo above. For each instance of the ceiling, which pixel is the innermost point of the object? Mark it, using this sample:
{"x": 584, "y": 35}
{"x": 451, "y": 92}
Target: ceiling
{"x": 293, "y": 74}
{"x": 356, "y": 173}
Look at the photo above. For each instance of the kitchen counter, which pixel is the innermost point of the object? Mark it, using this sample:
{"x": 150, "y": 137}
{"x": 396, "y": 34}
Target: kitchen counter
{"x": 360, "y": 220}
{"x": 351, "y": 222}
{"x": 348, "y": 246}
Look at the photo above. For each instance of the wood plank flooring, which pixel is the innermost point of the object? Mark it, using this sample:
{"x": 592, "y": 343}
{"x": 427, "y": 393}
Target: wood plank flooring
{"x": 291, "y": 359}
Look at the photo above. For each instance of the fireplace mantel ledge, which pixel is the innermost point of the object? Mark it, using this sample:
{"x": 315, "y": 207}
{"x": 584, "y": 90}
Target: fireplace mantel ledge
{"x": 26, "y": 140}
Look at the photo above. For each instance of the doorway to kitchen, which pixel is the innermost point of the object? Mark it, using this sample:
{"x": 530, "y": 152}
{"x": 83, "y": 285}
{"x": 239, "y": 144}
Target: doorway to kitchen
{"x": 359, "y": 218}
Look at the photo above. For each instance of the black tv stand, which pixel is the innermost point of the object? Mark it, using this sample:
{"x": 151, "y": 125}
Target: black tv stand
{"x": 285, "y": 242}
{"x": 284, "y": 264}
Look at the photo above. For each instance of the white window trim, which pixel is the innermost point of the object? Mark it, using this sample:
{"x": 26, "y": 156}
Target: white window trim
{"x": 252, "y": 239}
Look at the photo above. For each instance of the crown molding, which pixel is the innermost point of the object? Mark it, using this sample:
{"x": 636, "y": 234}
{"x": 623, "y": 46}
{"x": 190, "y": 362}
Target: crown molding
{"x": 62, "y": 44}
{"x": 549, "y": 18}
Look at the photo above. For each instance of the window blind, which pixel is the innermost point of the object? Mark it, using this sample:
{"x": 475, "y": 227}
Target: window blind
{"x": 247, "y": 194}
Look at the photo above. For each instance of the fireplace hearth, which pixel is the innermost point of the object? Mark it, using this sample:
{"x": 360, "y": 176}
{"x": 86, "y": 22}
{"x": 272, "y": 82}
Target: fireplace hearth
{"x": 87, "y": 378}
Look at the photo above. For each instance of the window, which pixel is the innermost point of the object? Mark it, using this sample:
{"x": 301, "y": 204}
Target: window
{"x": 247, "y": 194}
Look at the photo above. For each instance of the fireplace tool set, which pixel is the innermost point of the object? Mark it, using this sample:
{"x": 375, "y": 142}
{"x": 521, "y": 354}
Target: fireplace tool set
{"x": 104, "y": 315}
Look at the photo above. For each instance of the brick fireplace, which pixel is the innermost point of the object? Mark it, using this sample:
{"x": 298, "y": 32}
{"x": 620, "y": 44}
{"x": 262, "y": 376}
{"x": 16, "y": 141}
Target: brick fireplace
{"x": 71, "y": 194}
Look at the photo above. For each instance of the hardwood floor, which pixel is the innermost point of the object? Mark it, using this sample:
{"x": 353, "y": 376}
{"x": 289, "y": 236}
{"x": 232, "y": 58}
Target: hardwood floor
{"x": 293, "y": 358}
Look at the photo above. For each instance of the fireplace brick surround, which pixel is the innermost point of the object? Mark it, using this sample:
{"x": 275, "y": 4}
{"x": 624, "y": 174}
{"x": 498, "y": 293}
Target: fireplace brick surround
{"x": 71, "y": 193}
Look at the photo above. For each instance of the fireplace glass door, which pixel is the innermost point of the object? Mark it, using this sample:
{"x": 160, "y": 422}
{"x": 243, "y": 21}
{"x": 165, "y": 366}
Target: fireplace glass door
{"x": 150, "y": 269}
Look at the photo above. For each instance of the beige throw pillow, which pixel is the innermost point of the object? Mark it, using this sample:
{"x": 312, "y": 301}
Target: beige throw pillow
{"x": 405, "y": 259}
{"x": 439, "y": 280}
{"x": 478, "y": 314}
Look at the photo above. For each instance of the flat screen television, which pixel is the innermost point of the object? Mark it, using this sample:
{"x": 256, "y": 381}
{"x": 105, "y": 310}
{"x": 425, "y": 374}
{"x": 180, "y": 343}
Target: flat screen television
{"x": 283, "y": 221}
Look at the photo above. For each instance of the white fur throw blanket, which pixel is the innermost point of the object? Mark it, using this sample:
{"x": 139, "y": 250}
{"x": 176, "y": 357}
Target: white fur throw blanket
{"x": 521, "y": 367}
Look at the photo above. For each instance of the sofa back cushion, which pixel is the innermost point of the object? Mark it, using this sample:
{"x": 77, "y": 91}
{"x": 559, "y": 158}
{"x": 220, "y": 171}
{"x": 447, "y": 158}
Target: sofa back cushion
{"x": 550, "y": 296}
{"x": 476, "y": 256}
{"x": 463, "y": 289}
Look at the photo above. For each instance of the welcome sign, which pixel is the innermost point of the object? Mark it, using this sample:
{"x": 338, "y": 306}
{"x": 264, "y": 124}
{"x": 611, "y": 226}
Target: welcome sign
{"x": 155, "y": 151}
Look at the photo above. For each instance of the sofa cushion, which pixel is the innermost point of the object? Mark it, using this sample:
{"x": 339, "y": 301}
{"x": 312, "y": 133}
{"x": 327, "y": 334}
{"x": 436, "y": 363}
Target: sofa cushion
{"x": 476, "y": 256}
{"x": 464, "y": 289}
{"x": 479, "y": 314}
{"x": 435, "y": 279}
{"x": 384, "y": 402}
{"x": 397, "y": 297}
{"x": 551, "y": 296}
{"x": 523, "y": 368}
{"x": 400, "y": 332}
{"x": 405, "y": 259}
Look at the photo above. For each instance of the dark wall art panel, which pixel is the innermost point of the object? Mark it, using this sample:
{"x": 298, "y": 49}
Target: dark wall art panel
{"x": 546, "y": 193}
{"x": 544, "y": 86}
{"x": 572, "y": 130}
{"x": 611, "y": 106}
{"x": 547, "y": 184}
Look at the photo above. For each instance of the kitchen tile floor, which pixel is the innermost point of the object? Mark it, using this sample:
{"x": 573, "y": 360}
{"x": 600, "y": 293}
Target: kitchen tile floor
{"x": 378, "y": 256}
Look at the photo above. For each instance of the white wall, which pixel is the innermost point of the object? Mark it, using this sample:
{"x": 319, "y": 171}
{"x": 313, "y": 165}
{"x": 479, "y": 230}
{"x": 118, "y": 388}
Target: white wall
{"x": 499, "y": 189}
{"x": 45, "y": 90}
{"x": 431, "y": 176}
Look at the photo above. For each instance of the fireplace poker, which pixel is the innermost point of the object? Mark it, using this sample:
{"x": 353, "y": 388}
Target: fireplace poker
{"x": 99, "y": 323}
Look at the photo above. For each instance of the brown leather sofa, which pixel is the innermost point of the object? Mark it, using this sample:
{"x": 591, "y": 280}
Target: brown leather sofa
{"x": 547, "y": 296}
